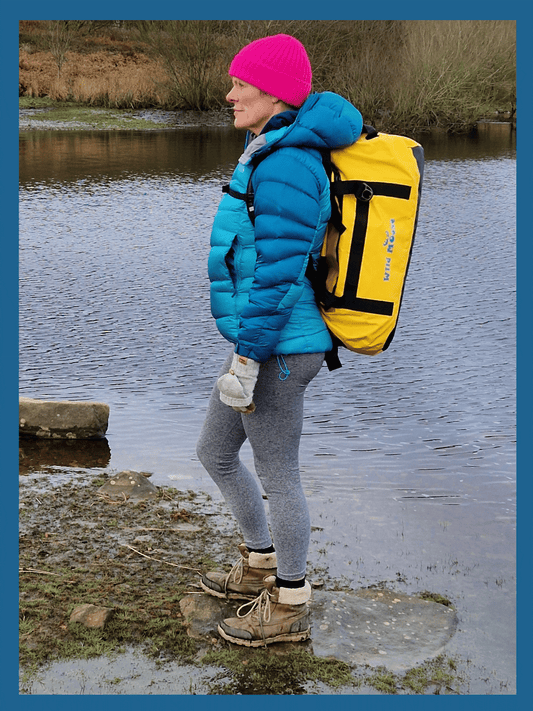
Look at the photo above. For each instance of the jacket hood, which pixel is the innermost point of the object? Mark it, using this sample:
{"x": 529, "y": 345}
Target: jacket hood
{"x": 325, "y": 121}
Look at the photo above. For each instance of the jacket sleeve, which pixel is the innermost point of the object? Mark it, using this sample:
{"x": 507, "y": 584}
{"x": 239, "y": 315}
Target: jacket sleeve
{"x": 287, "y": 187}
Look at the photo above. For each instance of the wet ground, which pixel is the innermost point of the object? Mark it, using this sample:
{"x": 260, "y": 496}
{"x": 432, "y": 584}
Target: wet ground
{"x": 119, "y": 542}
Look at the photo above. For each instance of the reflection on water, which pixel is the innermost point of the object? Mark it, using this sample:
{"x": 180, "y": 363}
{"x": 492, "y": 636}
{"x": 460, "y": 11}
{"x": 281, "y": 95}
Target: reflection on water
{"x": 35, "y": 453}
{"x": 408, "y": 458}
{"x": 69, "y": 156}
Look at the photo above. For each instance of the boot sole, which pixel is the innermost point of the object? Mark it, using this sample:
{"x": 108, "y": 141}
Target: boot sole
{"x": 227, "y": 596}
{"x": 289, "y": 637}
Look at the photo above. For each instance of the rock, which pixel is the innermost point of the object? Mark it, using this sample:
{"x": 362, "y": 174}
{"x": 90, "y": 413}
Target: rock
{"x": 62, "y": 419}
{"x": 202, "y": 613}
{"x": 132, "y": 485}
{"x": 374, "y": 627}
{"x": 379, "y": 627}
{"x": 92, "y": 616}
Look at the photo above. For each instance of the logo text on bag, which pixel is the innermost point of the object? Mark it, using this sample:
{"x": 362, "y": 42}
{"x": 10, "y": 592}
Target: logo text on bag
{"x": 389, "y": 244}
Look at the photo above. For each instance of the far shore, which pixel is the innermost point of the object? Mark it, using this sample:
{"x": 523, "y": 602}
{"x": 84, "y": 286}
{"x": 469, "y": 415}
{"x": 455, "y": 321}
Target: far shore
{"x": 44, "y": 114}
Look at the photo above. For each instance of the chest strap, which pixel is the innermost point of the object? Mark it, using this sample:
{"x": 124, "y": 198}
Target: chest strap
{"x": 247, "y": 197}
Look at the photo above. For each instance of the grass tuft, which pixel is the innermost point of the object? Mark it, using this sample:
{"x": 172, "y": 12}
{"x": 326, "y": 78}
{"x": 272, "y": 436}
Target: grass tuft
{"x": 264, "y": 672}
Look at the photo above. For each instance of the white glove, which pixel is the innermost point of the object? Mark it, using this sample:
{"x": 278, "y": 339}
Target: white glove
{"x": 237, "y": 386}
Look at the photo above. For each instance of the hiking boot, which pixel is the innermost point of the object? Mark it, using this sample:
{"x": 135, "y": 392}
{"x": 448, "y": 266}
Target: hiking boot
{"x": 245, "y": 579}
{"x": 277, "y": 615}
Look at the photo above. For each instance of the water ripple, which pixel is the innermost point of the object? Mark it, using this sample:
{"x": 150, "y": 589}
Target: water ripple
{"x": 114, "y": 306}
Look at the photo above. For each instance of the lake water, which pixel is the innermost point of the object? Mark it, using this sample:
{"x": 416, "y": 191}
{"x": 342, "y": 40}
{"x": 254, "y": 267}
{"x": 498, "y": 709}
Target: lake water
{"x": 408, "y": 458}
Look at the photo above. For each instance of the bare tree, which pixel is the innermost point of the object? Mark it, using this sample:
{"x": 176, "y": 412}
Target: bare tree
{"x": 61, "y": 33}
{"x": 58, "y": 40}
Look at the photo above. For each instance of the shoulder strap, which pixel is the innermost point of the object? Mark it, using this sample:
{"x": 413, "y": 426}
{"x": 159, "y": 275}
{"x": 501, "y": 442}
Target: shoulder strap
{"x": 317, "y": 277}
{"x": 333, "y": 175}
{"x": 247, "y": 197}
{"x": 332, "y": 357}
{"x": 370, "y": 131}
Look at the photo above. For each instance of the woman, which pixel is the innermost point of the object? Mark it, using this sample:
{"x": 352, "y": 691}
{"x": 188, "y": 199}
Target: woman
{"x": 264, "y": 304}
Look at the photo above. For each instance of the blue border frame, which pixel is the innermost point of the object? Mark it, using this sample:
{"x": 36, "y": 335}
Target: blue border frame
{"x": 9, "y": 293}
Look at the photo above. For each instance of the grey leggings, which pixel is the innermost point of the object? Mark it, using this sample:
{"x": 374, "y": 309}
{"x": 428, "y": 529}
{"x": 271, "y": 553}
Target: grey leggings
{"x": 274, "y": 432}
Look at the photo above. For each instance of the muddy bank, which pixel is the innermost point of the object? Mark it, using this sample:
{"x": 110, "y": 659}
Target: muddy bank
{"x": 85, "y": 541}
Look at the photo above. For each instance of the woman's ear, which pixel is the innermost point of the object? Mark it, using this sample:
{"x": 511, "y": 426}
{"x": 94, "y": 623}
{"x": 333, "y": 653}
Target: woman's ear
{"x": 279, "y": 104}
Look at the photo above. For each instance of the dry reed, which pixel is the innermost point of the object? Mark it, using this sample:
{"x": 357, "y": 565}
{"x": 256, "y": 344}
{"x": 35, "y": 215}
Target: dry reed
{"x": 98, "y": 78}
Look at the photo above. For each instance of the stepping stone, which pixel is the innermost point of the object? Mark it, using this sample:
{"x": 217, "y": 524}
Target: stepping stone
{"x": 203, "y": 612}
{"x": 62, "y": 419}
{"x": 374, "y": 627}
{"x": 379, "y": 627}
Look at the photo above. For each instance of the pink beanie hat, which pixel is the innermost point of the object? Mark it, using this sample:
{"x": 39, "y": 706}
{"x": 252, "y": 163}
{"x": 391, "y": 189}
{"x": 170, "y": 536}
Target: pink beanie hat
{"x": 278, "y": 65}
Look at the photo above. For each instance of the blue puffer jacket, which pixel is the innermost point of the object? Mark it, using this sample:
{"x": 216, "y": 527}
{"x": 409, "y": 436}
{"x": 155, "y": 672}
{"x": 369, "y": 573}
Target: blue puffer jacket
{"x": 260, "y": 297}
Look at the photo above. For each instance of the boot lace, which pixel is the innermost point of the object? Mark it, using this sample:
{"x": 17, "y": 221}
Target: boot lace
{"x": 261, "y": 607}
{"x": 236, "y": 574}
{"x": 261, "y": 604}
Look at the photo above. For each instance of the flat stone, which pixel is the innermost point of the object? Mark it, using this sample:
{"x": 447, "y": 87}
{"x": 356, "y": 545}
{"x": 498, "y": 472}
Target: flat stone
{"x": 373, "y": 627}
{"x": 202, "y": 613}
{"x": 129, "y": 484}
{"x": 92, "y": 616}
{"x": 378, "y": 627}
{"x": 63, "y": 419}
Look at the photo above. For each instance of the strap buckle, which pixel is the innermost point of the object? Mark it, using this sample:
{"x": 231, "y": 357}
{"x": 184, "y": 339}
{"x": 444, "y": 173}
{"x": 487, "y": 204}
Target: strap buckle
{"x": 365, "y": 193}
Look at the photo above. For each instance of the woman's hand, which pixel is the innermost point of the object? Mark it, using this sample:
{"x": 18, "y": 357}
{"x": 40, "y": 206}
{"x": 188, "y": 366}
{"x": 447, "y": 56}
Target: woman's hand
{"x": 237, "y": 386}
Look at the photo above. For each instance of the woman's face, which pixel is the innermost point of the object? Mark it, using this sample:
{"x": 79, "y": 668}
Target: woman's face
{"x": 252, "y": 108}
